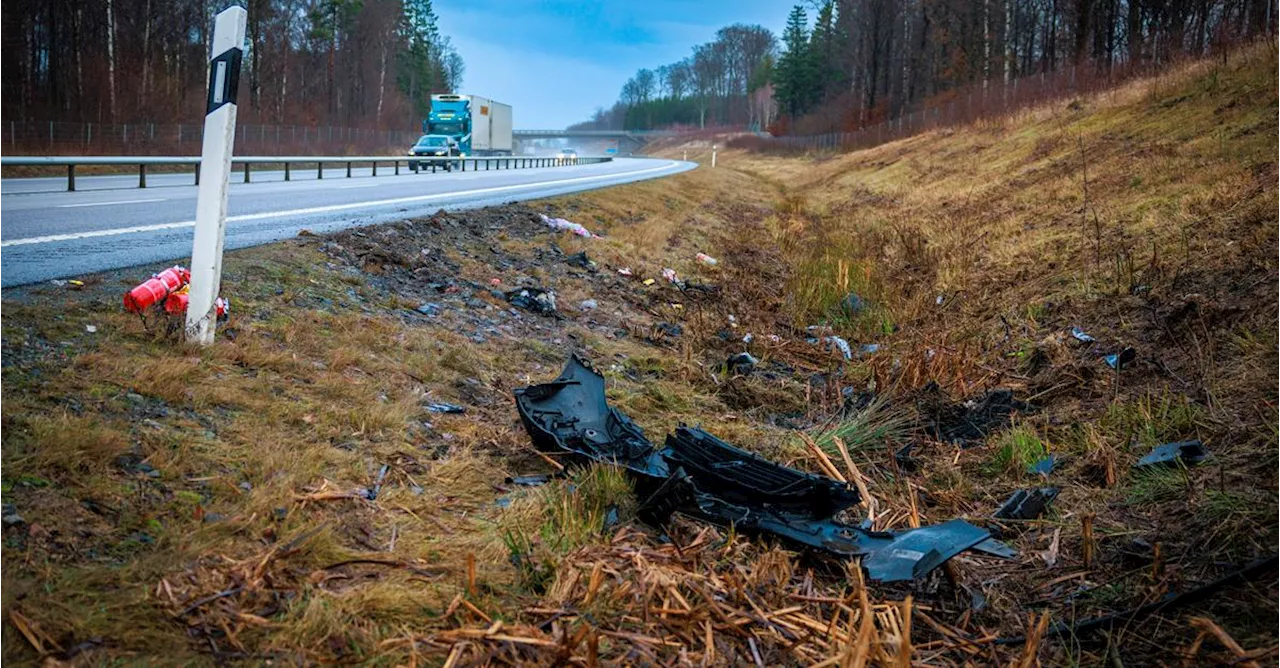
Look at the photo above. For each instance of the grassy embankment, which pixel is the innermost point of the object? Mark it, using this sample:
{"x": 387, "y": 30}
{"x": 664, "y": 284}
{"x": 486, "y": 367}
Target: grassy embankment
{"x": 186, "y": 503}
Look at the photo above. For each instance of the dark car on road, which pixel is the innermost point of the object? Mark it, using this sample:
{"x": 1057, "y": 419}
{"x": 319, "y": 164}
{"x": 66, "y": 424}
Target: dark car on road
{"x": 432, "y": 146}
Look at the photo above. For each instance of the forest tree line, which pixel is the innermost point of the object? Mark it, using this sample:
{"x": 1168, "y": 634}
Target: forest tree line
{"x": 845, "y": 64}
{"x": 712, "y": 86}
{"x": 355, "y": 63}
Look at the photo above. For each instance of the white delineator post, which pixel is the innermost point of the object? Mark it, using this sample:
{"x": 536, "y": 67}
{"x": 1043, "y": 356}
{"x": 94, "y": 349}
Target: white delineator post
{"x": 713, "y": 155}
{"x": 215, "y": 173}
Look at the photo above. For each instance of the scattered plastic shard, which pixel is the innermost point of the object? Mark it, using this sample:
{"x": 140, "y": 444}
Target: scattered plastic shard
{"x": 92, "y": 329}
{"x": 670, "y": 274}
{"x": 588, "y": 304}
{"x": 1119, "y": 360}
{"x": 562, "y": 224}
{"x": 580, "y": 260}
{"x": 670, "y": 329}
{"x": 625, "y": 271}
{"x": 707, "y": 259}
{"x": 1027, "y": 504}
{"x": 649, "y": 281}
{"x": 536, "y": 300}
{"x": 534, "y": 480}
{"x": 904, "y": 460}
{"x": 996, "y": 548}
{"x": 868, "y": 349}
{"x": 1080, "y": 335}
{"x": 1045, "y": 466}
{"x": 441, "y": 407}
{"x": 1169, "y": 454}
{"x": 742, "y": 363}
{"x": 913, "y": 553}
{"x": 840, "y": 344}
{"x": 748, "y": 337}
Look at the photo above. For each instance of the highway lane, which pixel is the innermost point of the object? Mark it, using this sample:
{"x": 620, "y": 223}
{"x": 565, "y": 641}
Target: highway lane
{"x": 46, "y": 232}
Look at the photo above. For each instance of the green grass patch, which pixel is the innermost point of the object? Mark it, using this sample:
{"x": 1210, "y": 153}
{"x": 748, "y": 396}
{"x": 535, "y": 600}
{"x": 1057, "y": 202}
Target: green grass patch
{"x": 562, "y": 517}
{"x": 1016, "y": 450}
{"x": 1155, "y": 485}
{"x": 865, "y": 430}
{"x": 1153, "y": 419}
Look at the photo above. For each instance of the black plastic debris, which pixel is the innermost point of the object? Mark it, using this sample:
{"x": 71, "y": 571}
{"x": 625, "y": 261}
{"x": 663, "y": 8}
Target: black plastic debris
{"x": 969, "y": 421}
{"x": 904, "y": 460}
{"x": 581, "y": 261}
{"x": 535, "y": 300}
{"x": 745, "y": 478}
{"x": 1027, "y": 504}
{"x": 570, "y": 416}
{"x": 1045, "y": 466}
{"x": 995, "y": 548}
{"x": 669, "y": 329}
{"x": 441, "y": 407}
{"x": 1169, "y": 454}
{"x": 699, "y": 475}
{"x": 911, "y": 554}
{"x": 1121, "y": 359}
{"x": 742, "y": 363}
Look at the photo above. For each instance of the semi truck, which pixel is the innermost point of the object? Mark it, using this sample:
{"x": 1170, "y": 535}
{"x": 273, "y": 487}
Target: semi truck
{"x": 478, "y": 125}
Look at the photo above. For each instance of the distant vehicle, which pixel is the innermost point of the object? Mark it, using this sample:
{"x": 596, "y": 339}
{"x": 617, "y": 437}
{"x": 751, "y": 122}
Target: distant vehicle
{"x": 567, "y": 153}
{"x": 433, "y": 146}
{"x": 479, "y": 125}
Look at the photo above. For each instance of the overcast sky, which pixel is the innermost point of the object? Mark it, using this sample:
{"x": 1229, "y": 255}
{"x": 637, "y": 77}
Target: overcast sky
{"x": 555, "y": 61}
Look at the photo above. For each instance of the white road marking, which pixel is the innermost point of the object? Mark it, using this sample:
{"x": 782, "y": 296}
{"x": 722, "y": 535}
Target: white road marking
{"x": 123, "y": 201}
{"x": 363, "y": 185}
{"x": 324, "y": 209}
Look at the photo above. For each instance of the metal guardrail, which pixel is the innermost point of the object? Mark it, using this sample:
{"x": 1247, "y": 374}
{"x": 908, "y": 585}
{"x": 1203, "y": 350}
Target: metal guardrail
{"x": 413, "y": 162}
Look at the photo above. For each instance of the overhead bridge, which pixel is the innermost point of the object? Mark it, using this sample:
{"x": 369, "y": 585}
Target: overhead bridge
{"x": 638, "y": 135}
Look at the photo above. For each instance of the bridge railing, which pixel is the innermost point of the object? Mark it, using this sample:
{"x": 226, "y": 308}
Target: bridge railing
{"x": 596, "y": 133}
{"x": 415, "y": 163}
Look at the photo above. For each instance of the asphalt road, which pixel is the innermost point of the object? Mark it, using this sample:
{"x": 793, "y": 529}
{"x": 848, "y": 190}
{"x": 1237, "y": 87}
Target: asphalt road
{"x": 110, "y": 223}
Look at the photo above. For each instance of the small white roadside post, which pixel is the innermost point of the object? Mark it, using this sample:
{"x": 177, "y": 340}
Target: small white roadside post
{"x": 215, "y": 173}
{"x": 713, "y": 156}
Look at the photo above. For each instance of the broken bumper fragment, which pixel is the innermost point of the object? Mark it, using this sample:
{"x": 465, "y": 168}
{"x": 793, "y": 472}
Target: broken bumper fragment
{"x": 699, "y": 475}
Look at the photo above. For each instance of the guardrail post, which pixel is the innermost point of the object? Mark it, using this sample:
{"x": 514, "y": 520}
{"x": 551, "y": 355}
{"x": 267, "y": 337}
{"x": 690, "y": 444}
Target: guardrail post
{"x": 319, "y": 170}
{"x": 286, "y": 171}
{"x": 463, "y": 163}
{"x": 348, "y": 170}
{"x": 197, "y": 173}
{"x": 246, "y": 172}
{"x": 71, "y": 178}
{"x": 397, "y": 168}
{"x": 375, "y": 167}
{"x": 142, "y": 175}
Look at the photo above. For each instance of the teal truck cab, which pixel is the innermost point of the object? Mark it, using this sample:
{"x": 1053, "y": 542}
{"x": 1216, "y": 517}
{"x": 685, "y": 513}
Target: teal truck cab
{"x": 479, "y": 126}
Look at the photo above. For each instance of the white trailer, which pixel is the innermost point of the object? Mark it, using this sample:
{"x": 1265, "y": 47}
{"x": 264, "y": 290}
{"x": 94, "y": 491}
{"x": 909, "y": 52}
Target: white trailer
{"x": 490, "y": 127}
